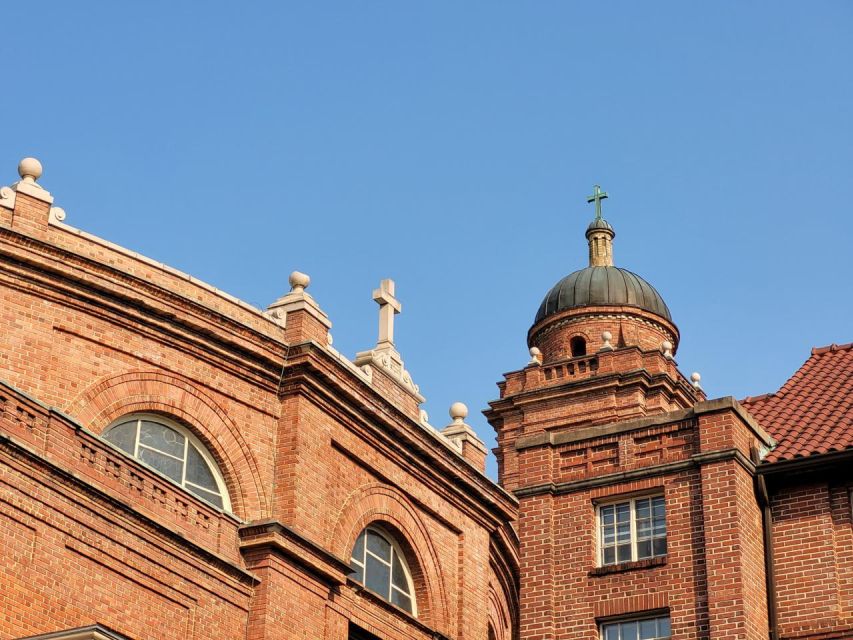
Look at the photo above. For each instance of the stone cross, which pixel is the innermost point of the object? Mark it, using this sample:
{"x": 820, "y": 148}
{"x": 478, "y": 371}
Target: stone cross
{"x": 389, "y": 306}
{"x": 597, "y": 196}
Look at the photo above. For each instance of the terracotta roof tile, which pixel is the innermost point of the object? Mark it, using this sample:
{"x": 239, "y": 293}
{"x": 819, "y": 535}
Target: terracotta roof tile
{"x": 813, "y": 412}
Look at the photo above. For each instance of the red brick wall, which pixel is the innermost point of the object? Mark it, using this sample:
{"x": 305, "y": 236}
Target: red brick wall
{"x": 99, "y": 333}
{"x": 813, "y": 558}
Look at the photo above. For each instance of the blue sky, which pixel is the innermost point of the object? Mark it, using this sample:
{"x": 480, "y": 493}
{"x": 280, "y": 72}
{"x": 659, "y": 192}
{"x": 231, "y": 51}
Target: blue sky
{"x": 450, "y": 146}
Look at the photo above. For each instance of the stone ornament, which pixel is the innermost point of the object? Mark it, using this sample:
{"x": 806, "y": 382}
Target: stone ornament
{"x": 385, "y": 354}
{"x": 535, "y": 356}
{"x": 606, "y": 337}
{"x": 695, "y": 378}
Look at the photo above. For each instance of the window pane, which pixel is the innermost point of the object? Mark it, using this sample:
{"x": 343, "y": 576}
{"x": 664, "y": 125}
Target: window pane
{"x": 164, "y": 464}
{"x": 644, "y": 549}
{"x": 198, "y": 472}
{"x": 623, "y": 512}
{"x": 611, "y": 632}
{"x": 212, "y": 497}
{"x": 623, "y": 553}
{"x": 377, "y": 575}
{"x": 629, "y": 630}
{"x": 648, "y": 629}
{"x": 644, "y": 509}
{"x": 358, "y": 576}
{"x": 398, "y": 575}
{"x": 660, "y": 546}
{"x": 358, "y": 549}
{"x": 664, "y": 628}
{"x": 609, "y": 555}
{"x": 161, "y": 438}
{"x": 123, "y": 436}
{"x": 379, "y": 545}
{"x": 401, "y": 600}
{"x": 608, "y": 515}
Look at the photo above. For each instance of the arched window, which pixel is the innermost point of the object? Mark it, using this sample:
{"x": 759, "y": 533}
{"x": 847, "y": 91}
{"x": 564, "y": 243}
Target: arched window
{"x": 578, "y": 346}
{"x": 380, "y": 566}
{"x": 173, "y": 451}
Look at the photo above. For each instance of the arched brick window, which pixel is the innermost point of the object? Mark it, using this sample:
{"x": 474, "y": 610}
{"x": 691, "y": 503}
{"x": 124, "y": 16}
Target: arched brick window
{"x": 578, "y": 346}
{"x": 172, "y": 450}
{"x": 379, "y": 564}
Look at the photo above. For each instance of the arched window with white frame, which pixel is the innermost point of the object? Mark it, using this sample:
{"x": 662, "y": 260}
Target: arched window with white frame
{"x": 380, "y": 565}
{"x": 174, "y": 451}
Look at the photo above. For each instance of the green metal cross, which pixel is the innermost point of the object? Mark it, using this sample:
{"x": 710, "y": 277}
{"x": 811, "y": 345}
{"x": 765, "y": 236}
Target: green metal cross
{"x": 597, "y": 196}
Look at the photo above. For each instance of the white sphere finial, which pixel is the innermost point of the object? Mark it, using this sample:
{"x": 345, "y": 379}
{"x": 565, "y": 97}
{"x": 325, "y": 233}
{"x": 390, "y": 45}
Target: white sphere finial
{"x": 298, "y": 282}
{"x": 666, "y": 347}
{"x": 535, "y": 356}
{"x": 29, "y": 169}
{"x": 606, "y": 337}
{"x": 695, "y": 378}
{"x": 458, "y": 411}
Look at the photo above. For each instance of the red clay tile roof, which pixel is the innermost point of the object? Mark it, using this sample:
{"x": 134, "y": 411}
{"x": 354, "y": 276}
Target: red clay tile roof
{"x": 813, "y": 412}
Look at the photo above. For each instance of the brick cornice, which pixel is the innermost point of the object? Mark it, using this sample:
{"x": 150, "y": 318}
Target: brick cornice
{"x": 727, "y": 403}
{"x": 274, "y": 537}
{"x": 312, "y": 371}
{"x": 18, "y": 449}
{"x": 694, "y": 462}
{"x": 64, "y": 277}
{"x": 92, "y": 632}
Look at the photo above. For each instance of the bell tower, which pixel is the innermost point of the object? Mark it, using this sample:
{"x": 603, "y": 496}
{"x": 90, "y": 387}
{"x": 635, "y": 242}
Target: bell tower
{"x": 619, "y": 463}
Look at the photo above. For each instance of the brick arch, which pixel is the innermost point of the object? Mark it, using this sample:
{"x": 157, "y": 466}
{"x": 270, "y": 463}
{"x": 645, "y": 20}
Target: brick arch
{"x": 500, "y": 622}
{"x": 379, "y": 504}
{"x": 156, "y": 392}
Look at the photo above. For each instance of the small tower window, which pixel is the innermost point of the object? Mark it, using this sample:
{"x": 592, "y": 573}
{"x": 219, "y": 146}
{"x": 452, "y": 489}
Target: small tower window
{"x": 173, "y": 451}
{"x": 578, "y": 346}
{"x": 380, "y": 566}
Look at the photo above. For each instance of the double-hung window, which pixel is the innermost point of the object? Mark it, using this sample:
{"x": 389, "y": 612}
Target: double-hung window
{"x": 656, "y": 628}
{"x": 632, "y": 530}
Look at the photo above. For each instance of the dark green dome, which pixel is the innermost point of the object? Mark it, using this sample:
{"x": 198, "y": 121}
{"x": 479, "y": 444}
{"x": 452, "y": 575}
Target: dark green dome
{"x": 596, "y": 286}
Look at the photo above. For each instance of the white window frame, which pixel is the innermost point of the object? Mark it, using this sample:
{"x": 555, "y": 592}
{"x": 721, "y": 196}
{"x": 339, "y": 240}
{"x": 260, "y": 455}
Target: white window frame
{"x": 632, "y": 500}
{"x": 189, "y": 438}
{"x": 395, "y": 550}
{"x": 638, "y": 619}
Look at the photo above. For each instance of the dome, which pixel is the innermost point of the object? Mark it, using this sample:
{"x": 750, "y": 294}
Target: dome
{"x": 599, "y": 223}
{"x": 604, "y": 285}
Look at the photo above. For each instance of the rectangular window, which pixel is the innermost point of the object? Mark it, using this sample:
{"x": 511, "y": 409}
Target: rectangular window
{"x": 645, "y": 629}
{"x": 631, "y": 530}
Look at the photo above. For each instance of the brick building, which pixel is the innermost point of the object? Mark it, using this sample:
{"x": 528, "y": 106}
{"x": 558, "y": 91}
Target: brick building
{"x": 175, "y": 463}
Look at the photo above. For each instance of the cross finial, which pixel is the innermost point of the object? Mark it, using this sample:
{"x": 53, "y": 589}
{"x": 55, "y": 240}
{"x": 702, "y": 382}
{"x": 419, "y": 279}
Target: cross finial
{"x": 597, "y": 196}
{"x": 389, "y": 306}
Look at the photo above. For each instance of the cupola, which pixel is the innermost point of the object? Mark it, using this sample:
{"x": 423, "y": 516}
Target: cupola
{"x": 600, "y": 298}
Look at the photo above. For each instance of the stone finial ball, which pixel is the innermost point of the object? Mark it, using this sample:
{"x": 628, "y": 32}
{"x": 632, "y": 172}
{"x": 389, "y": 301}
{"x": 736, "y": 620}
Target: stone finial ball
{"x": 30, "y": 168}
{"x": 534, "y": 351}
{"x": 458, "y": 411}
{"x": 299, "y": 280}
{"x": 695, "y": 377}
{"x": 666, "y": 345}
{"x": 606, "y": 336}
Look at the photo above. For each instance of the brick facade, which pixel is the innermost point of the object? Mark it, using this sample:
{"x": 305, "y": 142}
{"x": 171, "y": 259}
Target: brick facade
{"x": 313, "y": 449}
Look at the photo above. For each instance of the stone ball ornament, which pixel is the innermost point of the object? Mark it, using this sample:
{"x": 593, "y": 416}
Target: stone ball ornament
{"x": 299, "y": 281}
{"x": 458, "y": 411}
{"x": 30, "y": 169}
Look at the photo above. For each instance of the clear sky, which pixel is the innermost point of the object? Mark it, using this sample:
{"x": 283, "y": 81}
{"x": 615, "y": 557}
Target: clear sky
{"x": 450, "y": 146}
